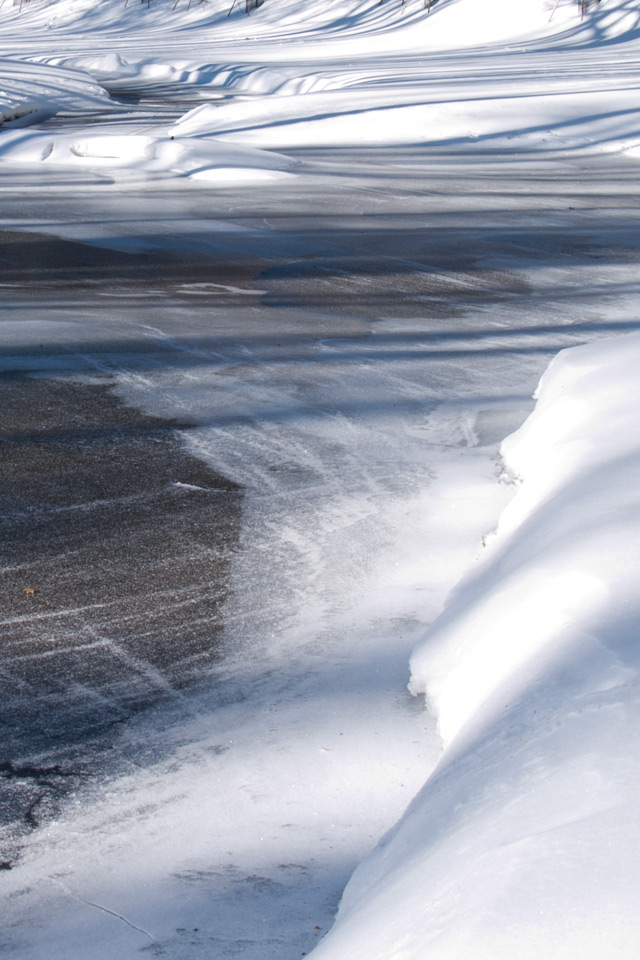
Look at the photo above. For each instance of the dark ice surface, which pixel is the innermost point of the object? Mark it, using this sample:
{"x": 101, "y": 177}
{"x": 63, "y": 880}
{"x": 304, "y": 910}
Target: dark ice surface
{"x": 114, "y": 547}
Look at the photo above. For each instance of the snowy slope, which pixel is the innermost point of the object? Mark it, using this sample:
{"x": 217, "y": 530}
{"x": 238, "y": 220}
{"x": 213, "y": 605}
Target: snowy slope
{"x": 289, "y": 20}
{"x": 32, "y": 92}
{"x": 332, "y": 75}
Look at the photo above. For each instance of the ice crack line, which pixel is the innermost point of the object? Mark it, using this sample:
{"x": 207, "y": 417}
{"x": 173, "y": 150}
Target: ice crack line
{"x": 98, "y": 906}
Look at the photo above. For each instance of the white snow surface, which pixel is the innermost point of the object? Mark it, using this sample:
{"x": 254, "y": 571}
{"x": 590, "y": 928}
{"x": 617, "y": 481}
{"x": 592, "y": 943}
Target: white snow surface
{"x": 519, "y": 844}
{"x": 31, "y": 92}
{"x": 308, "y": 74}
{"x": 522, "y": 841}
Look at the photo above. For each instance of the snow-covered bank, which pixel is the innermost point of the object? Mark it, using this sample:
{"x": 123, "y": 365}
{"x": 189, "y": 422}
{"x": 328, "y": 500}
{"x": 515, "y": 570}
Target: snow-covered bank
{"x": 523, "y": 841}
{"x": 343, "y": 75}
{"x": 143, "y": 154}
{"x": 342, "y": 20}
{"x": 32, "y": 92}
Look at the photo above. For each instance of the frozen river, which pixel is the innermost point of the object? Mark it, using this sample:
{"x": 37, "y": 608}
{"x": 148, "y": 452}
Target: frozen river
{"x": 256, "y": 428}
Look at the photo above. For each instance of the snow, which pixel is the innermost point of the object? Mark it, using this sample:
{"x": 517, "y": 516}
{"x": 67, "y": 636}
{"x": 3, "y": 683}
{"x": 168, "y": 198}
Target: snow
{"x": 144, "y": 154}
{"x": 366, "y": 447}
{"x": 34, "y": 91}
{"x": 313, "y": 93}
{"x": 519, "y": 842}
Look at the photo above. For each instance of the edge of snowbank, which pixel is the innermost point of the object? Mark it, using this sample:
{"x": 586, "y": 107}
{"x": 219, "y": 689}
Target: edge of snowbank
{"x": 518, "y": 845}
{"x": 34, "y": 91}
{"x": 544, "y": 573}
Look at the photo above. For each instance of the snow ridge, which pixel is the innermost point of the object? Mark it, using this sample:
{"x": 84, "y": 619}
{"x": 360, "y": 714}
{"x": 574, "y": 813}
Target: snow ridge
{"x": 518, "y": 843}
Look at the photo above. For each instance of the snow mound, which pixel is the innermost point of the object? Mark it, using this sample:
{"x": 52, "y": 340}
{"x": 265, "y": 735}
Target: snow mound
{"x": 519, "y": 844}
{"x": 347, "y": 74}
{"x": 143, "y": 155}
{"x": 36, "y": 91}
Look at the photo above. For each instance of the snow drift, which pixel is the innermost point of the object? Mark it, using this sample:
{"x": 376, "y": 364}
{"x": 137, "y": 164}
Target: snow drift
{"x": 312, "y": 75}
{"x": 518, "y": 845}
{"x": 33, "y": 92}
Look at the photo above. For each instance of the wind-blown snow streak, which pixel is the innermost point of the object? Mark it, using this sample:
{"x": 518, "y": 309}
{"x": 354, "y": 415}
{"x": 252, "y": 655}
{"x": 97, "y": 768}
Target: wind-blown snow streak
{"x": 518, "y": 845}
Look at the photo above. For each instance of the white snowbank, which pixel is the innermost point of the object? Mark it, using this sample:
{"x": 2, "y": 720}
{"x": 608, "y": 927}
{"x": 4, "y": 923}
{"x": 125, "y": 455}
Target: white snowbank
{"x": 32, "y": 92}
{"x": 427, "y": 117}
{"x": 37, "y": 91}
{"x": 143, "y": 154}
{"x": 315, "y": 75}
{"x": 523, "y": 841}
